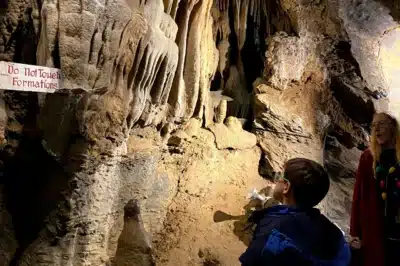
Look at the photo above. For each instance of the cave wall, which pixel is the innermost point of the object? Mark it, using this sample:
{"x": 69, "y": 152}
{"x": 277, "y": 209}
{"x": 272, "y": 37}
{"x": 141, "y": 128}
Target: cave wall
{"x": 123, "y": 64}
{"x": 325, "y": 82}
{"x": 134, "y": 64}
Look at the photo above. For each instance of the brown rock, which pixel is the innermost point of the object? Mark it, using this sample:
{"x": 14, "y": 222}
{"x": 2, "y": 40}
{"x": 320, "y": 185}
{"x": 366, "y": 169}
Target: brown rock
{"x": 192, "y": 127}
{"x": 134, "y": 243}
{"x": 133, "y": 64}
{"x": 178, "y": 138}
{"x": 232, "y": 136}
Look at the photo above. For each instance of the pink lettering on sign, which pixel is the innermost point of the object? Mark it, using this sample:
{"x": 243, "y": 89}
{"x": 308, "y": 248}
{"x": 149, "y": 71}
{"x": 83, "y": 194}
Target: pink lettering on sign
{"x": 29, "y": 78}
{"x": 12, "y": 70}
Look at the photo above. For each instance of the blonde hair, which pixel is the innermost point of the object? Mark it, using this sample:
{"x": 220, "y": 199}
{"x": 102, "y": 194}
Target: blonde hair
{"x": 376, "y": 149}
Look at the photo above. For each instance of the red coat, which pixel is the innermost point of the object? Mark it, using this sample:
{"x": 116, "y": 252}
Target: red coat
{"x": 367, "y": 214}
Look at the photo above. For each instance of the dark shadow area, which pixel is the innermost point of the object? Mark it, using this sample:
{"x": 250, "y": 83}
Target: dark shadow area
{"x": 343, "y": 137}
{"x": 247, "y": 62}
{"x": 343, "y": 50}
{"x": 253, "y": 52}
{"x": 208, "y": 258}
{"x": 351, "y": 97}
{"x": 24, "y": 40}
{"x": 33, "y": 185}
{"x": 3, "y": 7}
{"x": 233, "y": 41}
{"x": 220, "y": 216}
{"x": 3, "y": 3}
{"x": 252, "y": 64}
{"x": 248, "y": 124}
{"x": 241, "y": 227}
{"x": 180, "y": 15}
{"x": 56, "y": 55}
{"x": 352, "y": 103}
{"x": 211, "y": 262}
{"x": 33, "y": 180}
{"x": 394, "y": 7}
{"x": 264, "y": 168}
{"x": 216, "y": 83}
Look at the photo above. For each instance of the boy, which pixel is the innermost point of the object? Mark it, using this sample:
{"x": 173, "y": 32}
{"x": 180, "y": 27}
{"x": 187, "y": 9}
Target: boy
{"x": 295, "y": 233}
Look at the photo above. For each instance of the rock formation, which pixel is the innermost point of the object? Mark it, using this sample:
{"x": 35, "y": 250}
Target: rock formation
{"x": 151, "y": 86}
{"x": 325, "y": 82}
{"x": 134, "y": 244}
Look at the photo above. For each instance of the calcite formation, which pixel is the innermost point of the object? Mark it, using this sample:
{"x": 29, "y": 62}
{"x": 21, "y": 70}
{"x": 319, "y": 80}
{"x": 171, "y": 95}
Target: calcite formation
{"x": 142, "y": 77}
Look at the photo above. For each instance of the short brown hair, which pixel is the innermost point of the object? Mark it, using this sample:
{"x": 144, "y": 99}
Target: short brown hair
{"x": 308, "y": 180}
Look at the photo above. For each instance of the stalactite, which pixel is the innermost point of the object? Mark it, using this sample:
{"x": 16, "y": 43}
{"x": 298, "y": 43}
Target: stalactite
{"x": 168, "y": 6}
{"x": 192, "y": 65}
{"x": 174, "y": 8}
{"x": 258, "y": 13}
{"x": 262, "y": 11}
{"x": 222, "y": 5}
{"x": 249, "y": 22}
{"x": 252, "y": 10}
{"x": 266, "y": 6}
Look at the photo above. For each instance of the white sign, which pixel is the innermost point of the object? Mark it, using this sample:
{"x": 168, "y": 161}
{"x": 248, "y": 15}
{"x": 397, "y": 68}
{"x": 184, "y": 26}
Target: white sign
{"x": 21, "y": 77}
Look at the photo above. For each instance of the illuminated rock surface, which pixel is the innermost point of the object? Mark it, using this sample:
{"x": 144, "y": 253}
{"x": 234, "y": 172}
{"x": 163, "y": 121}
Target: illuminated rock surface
{"x": 180, "y": 106}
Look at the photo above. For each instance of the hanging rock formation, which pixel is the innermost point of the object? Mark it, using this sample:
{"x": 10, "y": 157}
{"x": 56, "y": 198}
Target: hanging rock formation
{"x": 151, "y": 86}
{"x": 119, "y": 61}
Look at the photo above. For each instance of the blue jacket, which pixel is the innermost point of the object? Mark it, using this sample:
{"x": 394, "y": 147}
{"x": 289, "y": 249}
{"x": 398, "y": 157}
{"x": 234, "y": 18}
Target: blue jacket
{"x": 287, "y": 236}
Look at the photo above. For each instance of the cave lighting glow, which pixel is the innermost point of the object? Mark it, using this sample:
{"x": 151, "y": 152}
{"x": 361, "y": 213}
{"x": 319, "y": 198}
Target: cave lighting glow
{"x": 390, "y": 63}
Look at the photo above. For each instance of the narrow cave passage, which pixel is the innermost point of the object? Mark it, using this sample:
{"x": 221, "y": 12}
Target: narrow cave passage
{"x": 244, "y": 64}
{"x": 242, "y": 69}
{"x": 33, "y": 184}
{"x": 253, "y": 52}
{"x": 253, "y": 57}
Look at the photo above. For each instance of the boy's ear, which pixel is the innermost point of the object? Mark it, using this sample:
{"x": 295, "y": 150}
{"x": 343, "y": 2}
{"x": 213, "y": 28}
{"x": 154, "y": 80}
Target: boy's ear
{"x": 286, "y": 188}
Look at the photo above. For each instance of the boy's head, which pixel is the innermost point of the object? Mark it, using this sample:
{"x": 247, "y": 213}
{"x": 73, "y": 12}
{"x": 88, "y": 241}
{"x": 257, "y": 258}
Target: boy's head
{"x": 304, "y": 183}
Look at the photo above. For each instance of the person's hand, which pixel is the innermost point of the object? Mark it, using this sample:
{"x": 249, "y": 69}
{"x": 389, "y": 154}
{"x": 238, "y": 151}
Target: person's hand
{"x": 355, "y": 242}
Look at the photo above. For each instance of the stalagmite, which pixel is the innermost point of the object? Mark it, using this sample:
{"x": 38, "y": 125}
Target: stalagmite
{"x": 134, "y": 244}
{"x": 220, "y": 113}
